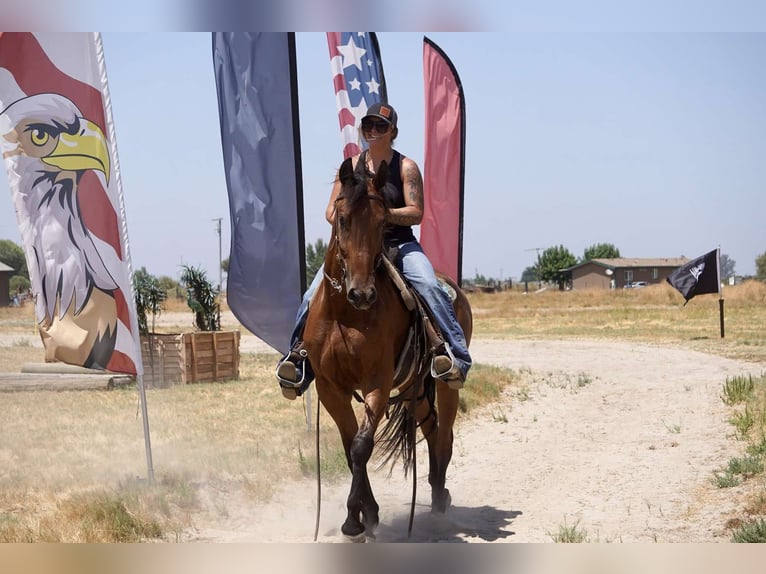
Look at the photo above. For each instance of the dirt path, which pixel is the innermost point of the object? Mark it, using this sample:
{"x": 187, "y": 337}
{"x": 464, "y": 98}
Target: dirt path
{"x": 620, "y": 439}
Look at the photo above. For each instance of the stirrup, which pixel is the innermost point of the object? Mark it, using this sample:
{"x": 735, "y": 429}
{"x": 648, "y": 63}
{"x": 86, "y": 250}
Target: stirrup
{"x": 291, "y": 378}
{"x": 444, "y": 368}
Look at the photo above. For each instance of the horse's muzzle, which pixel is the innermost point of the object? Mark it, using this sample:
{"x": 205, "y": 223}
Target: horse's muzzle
{"x": 362, "y": 299}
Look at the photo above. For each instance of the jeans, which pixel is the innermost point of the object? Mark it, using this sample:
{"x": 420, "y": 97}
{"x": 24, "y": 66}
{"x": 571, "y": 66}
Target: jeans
{"x": 419, "y": 273}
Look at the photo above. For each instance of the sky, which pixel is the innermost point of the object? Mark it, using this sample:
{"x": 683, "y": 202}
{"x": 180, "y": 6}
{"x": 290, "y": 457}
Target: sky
{"x": 653, "y": 142}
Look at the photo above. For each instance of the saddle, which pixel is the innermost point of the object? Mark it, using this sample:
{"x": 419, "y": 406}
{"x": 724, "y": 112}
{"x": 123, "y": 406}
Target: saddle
{"x": 423, "y": 338}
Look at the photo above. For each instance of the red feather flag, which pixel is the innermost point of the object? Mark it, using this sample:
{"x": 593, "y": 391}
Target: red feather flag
{"x": 57, "y": 138}
{"x": 441, "y": 231}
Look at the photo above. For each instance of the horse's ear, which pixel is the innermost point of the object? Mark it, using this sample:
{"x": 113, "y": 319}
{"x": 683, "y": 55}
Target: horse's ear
{"x": 346, "y": 171}
{"x": 381, "y": 176}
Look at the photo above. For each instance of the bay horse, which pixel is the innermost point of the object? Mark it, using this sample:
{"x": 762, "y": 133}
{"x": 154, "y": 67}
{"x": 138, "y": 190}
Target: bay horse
{"x": 356, "y": 328}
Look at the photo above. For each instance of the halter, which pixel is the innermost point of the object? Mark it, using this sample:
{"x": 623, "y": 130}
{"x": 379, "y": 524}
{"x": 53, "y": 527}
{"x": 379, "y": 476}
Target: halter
{"x": 334, "y": 283}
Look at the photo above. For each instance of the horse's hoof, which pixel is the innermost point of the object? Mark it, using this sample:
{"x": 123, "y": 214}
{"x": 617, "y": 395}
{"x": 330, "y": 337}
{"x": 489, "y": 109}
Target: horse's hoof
{"x": 440, "y": 503}
{"x": 356, "y": 538}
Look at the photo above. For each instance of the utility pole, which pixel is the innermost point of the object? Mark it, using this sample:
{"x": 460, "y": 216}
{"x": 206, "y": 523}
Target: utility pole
{"x": 220, "y": 261}
{"x": 220, "y": 266}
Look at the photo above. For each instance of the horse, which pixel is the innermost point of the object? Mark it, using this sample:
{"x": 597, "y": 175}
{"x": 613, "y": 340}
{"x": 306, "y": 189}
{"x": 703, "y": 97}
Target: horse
{"x": 356, "y": 327}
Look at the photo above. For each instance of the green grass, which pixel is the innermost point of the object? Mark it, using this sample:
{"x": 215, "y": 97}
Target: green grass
{"x": 753, "y": 532}
{"x": 484, "y": 385}
{"x": 570, "y": 534}
{"x": 747, "y": 394}
{"x": 747, "y": 466}
{"x": 725, "y": 480}
{"x": 737, "y": 389}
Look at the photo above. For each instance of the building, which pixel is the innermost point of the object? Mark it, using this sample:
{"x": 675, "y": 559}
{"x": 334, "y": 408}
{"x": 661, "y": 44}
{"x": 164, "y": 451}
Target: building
{"x": 5, "y": 288}
{"x": 620, "y": 272}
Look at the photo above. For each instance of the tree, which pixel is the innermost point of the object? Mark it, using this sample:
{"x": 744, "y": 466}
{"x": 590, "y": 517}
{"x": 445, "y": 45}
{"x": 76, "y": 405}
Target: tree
{"x": 315, "y": 255}
{"x": 727, "y": 266}
{"x": 149, "y": 298}
{"x": 529, "y": 274}
{"x": 18, "y": 284}
{"x": 169, "y": 285}
{"x": 225, "y": 265}
{"x": 202, "y": 298}
{"x": 760, "y": 267}
{"x": 552, "y": 264}
{"x": 13, "y": 256}
{"x": 479, "y": 279}
{"x": 600, "y": 251}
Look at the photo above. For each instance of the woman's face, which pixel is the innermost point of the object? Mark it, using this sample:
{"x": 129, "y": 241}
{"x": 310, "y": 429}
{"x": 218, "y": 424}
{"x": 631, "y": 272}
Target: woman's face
{"x": 374, "y": 129}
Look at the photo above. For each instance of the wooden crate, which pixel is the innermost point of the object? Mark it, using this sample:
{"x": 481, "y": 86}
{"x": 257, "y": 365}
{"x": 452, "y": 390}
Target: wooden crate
{"x": 211, "y": 356}
{"x": 194, "y": 357}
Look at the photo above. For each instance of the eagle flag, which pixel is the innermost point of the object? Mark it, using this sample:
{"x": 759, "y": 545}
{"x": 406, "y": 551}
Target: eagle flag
{"x": 256, "y": 80}
{"x": 58, "y": 145}
{"x": 441, "y": 231}
{"x": 697, "y": 277}
{"x": 357, "y": 76}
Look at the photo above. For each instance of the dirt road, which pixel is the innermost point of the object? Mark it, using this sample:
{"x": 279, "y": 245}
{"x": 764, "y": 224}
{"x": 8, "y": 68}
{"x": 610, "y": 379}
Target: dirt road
{"x": 616, "y": 438}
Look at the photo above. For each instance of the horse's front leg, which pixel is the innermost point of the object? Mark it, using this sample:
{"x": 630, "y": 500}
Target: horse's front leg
{"x": 354, "y": 444}
{"x": 361, "y": 501}
{"x": 362, "y": 515}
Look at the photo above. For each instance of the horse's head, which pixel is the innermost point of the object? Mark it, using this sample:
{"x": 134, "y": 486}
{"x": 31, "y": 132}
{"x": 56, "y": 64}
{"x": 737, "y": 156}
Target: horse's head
{"x": 360, "y": 216}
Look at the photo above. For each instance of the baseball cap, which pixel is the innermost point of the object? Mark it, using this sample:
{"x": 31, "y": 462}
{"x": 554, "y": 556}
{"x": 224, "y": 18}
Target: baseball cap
{"x": 382, "y": 111}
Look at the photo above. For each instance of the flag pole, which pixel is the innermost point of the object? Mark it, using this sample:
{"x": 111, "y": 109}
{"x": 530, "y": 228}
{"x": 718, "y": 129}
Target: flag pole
{"x": 124, "y": 234}
{"x": 720, "y": 290}
{"x": 292, "y": 58}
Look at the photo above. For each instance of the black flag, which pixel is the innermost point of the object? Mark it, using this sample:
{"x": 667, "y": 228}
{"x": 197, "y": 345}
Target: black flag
{"x": 697, "y": 277}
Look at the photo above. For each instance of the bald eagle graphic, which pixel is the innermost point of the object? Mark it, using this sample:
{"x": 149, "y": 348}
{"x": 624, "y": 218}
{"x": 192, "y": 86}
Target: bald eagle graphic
{"x": 50, "y": 150}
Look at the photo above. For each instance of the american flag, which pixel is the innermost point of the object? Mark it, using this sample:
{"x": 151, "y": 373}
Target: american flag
{"x": 358, "y": 80}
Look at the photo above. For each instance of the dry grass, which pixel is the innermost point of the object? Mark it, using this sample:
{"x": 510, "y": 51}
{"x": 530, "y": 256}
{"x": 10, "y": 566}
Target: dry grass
{"x": 653, "y": 314}
{"x": 71, "y": 463}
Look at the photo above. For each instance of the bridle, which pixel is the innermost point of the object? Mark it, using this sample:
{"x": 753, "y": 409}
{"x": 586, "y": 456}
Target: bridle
{"x": 334, "y": 283}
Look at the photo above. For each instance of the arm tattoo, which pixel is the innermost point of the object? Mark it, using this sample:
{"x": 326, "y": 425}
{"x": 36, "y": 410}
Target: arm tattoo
{"x": 414, "y": 184}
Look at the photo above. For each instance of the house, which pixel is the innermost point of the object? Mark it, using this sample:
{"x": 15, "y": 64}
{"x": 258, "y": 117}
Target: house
{"x": 619, "y": 272}
{"x": 5, "y": 288}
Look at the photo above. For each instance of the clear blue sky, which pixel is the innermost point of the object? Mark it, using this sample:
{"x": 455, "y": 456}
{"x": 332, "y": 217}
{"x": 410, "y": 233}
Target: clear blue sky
{"x": 654, "y": 142}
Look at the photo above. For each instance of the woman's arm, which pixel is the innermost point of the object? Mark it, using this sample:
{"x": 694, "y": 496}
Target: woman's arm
{"x": 412, "y": 182}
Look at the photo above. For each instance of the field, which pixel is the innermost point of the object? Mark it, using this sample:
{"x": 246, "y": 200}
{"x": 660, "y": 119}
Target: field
{"x": 73, "y": 465}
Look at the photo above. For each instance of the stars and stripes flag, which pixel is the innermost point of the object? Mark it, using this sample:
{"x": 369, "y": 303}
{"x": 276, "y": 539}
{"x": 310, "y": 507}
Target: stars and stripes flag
{"x": 441, "y": 231}
{"x": 58, "y": 141}
{"x": 358, "y": 80}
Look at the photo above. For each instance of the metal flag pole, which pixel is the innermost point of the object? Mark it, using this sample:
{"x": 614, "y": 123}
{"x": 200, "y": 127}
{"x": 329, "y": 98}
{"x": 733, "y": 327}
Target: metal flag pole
{"x": 147, "y": 439}
{"x": 124, "y": 232}
{"x": 720, "y": 289}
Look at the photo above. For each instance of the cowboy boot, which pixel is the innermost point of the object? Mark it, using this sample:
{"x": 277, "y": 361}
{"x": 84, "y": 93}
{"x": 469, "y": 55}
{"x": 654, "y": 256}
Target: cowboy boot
{"x": 291, "y": 371}
{"x": 444, "y": 368}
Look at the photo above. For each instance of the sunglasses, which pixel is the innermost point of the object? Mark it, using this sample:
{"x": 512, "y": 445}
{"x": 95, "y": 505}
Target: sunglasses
{"x": 380, "y": 126}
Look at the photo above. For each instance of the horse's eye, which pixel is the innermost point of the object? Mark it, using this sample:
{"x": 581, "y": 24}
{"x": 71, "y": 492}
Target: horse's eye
{"x": 343, "y": 222}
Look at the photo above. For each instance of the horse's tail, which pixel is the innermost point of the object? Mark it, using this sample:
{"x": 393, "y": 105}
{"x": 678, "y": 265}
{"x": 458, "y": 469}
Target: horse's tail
{"x": 397, "y": 438}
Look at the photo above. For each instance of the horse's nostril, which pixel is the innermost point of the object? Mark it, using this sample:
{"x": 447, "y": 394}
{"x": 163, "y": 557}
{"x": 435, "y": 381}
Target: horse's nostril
{"x": 353, "y": 296}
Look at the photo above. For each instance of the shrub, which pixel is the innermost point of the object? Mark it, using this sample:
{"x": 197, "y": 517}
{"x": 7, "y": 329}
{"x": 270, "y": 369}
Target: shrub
{"x": 202, "y": 299}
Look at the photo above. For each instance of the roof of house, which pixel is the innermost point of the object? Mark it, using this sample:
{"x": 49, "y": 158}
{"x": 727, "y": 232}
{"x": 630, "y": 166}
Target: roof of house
{"x": 4, "y": 267}
{"x": 623, "y": 262}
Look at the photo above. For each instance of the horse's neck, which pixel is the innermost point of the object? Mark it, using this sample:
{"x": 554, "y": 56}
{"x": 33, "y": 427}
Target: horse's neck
{"x": 333, "y": 271}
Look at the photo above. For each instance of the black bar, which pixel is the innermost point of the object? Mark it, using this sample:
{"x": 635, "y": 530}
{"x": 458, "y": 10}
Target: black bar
{"x": 720, "y": 309}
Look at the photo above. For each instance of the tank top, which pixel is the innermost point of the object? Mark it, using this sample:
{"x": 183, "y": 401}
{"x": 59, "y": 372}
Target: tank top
{"x": 393, "y": 192}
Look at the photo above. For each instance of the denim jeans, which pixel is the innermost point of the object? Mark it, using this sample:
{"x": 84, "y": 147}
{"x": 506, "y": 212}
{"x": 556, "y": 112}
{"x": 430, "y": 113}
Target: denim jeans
{"x": 419, "y": 273}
